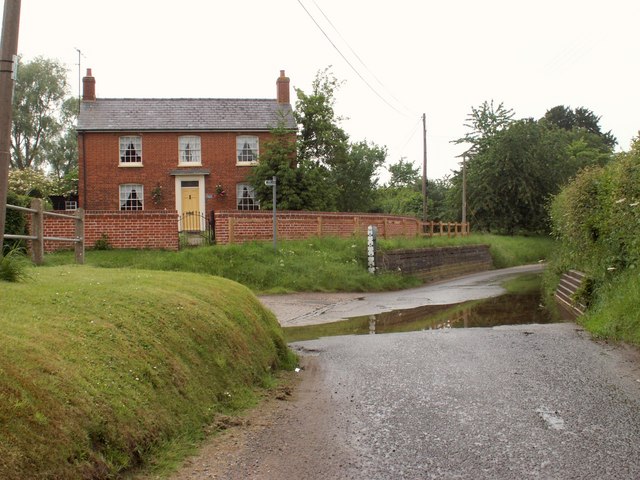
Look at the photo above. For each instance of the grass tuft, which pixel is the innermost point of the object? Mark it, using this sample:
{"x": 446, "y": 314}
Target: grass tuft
{"x": 13, "y": 265}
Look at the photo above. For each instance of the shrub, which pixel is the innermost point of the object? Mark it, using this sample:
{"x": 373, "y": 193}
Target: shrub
{"x": 102, "y": 243}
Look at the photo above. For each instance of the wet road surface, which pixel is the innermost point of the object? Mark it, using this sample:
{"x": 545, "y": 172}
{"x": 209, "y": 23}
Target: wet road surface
{"x": 299, "y": 309}
{"x": 533, "y": 401}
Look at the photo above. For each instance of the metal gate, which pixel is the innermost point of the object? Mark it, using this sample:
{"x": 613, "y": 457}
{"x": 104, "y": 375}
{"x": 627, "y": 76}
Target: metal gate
{"x": 194, "y": 229}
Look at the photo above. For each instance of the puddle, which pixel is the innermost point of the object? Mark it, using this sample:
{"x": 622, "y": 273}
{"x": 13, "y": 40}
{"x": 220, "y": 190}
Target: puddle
{"x": 509, "y": 309}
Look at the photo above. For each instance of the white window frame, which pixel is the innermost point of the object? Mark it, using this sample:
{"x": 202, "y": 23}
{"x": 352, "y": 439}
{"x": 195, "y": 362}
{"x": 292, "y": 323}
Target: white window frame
{"x": 252, "y": 195}
{"x": 254, "y": 146}
{"x": 125, "y": 190}
{"x": 193, "y": 142}
{"x": 125, "y": 142}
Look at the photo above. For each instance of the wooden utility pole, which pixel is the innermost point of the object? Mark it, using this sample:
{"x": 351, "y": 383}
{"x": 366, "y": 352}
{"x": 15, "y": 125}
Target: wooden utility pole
{"x": 8, "y": 68}
{"x": 424, "y": 167}
{"x": 464, "y": 190}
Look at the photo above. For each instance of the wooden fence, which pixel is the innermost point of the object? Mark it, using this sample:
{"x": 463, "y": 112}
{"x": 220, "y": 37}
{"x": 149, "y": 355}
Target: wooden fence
{"x": 37, "y": 230}
{"x": 445, "y": 229}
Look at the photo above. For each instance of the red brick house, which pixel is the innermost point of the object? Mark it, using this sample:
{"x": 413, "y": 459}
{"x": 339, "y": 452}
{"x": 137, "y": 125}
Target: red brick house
{"x": 174, "y": 154}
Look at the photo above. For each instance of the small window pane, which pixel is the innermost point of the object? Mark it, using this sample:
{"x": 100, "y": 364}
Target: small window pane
{"x": 189, "y": 149}
{"x": 246, "y": 197}
{"x": 247, "y": 148}
{"x": 130, "y": 149}
{"x": 131, "y": 197}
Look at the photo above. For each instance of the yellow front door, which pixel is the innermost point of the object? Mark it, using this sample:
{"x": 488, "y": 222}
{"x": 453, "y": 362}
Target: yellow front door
{"x": 191, "y": 208}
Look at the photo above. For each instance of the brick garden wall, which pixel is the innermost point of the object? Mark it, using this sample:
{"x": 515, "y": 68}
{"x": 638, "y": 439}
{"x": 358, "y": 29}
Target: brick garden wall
{"x": 239, "y": 227}
{"x": 436, "y": 263}
{"x": 148, "y": 229}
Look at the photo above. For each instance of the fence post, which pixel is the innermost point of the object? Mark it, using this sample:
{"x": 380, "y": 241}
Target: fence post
{"x": 79, "y": 246}
{"x": 37, "y": 227}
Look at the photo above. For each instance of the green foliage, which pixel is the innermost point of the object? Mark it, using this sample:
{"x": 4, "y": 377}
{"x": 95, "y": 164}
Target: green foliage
{"x": 510, "y": 182}
{"x": 484, "y": 122}
{"x": 355, "y": 176}
{"x": 320, "y": 139}
{"x": 40, "y": 90}
{"x": 579, "y": 120}
{"x": 334, "y": 173}
{"x": 299, "y": 186}
{"x": 13, "y": 265}
{"x": 400, "y": 201}
{"x": 615, "y": 313}
{"x": 404, "y": 174}
{"x": 596, "y": 218}
{"x": 408, "y": 200}
{"x": 317, "y": 264}
{"x": 102, "y": 243}
{"x": 92, "y": 387}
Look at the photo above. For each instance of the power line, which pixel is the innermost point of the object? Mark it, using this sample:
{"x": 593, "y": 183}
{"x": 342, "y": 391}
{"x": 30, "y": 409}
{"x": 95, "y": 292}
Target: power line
{"x": 358, "y": 57}
{"x": 348, "y": 62}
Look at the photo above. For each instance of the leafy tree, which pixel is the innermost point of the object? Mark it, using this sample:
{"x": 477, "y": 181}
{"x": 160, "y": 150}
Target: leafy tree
{"x": 62, "y": 151}
{"x": 354, "y": 176}
{"x": 484, "y": 122}
{"x": 299, "y": 187}
{"x": 404, "y": 174}
{"x": 509, "y": 184}
{"x": 337, "y": 174}
{"x": 581, "y": 119}
{"x": 320, "y": 137}
{"x": 40, "y": 91}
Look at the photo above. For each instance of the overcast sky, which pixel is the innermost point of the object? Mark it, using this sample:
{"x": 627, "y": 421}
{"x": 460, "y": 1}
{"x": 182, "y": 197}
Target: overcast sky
{"x": 416, "y": 56}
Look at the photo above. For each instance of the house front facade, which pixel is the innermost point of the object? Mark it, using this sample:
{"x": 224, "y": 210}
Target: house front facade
{"x": 190, "y": 155}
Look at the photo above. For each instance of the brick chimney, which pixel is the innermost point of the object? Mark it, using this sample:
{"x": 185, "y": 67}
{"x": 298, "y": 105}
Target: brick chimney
{"x": 88, "y": 87}
{"x": 283, "y": 88}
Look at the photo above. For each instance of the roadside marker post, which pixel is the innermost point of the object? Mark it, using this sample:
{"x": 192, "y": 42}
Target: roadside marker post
{"x": 372, "y": 234}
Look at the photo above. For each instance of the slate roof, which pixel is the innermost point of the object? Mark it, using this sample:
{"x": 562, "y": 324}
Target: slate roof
{"x": 182, "y": 114}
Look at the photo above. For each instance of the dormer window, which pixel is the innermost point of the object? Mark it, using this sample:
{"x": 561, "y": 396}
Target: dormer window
{"x": 131, "y": 150}
{"x": 247, "y": 149}
{"x": 189, "y": 150}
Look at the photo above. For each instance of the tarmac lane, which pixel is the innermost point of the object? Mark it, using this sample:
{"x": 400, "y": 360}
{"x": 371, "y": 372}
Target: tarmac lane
{"x": 532, "y": 401}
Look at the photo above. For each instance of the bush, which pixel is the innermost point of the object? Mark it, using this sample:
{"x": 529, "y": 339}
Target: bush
{"x": 597, "y": 217}
{"x": 102, "y": 243}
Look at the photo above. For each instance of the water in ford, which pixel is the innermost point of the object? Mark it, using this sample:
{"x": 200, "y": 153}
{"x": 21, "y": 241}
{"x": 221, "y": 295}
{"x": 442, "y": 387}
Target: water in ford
{"x": 508, "y": 309}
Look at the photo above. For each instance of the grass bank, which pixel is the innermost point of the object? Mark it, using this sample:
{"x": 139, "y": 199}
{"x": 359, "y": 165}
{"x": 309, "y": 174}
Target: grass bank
{"x": 615, "y": 311}
{"x": 100, "y": 370}
{"x": 319, "y": 264}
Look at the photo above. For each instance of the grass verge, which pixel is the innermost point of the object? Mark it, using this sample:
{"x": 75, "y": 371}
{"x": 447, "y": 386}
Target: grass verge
{"x": 614, "y": 313}
{"x": 318, "y": 264}
{"x": 102, "y": 369}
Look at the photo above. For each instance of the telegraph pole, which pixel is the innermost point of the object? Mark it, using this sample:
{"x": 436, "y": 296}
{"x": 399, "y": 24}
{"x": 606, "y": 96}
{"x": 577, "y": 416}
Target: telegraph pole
{"x": 424, "y": 167}
{"x": 8, "y": 69}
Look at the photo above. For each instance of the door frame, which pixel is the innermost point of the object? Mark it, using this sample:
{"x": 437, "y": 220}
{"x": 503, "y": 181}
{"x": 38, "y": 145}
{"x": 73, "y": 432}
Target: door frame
{"x": 201, "y": 193}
